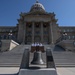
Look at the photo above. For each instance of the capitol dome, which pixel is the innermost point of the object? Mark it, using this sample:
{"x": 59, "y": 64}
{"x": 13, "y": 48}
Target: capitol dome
{"x": 37, "y": 7}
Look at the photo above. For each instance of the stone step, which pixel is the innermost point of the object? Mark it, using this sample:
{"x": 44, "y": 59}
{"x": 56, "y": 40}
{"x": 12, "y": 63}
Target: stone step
{"x": 14, "y": 57}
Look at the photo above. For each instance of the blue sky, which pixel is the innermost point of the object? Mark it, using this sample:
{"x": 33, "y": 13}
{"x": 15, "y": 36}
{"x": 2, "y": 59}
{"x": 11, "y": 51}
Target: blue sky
{"x": 10, "y": 10}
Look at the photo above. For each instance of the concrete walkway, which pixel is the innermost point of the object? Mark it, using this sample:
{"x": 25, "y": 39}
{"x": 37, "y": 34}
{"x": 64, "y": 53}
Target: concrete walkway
{"x": 9, "y": 70}
{"x": 15, "y": 70}
{"x": 66, "y": 71}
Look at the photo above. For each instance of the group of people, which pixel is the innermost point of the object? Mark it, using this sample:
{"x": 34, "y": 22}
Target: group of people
{"x": 37, "y": 44}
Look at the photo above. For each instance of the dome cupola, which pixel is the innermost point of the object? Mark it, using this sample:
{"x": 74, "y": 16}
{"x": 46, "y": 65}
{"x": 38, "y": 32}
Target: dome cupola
{"x": 37, "y": 7}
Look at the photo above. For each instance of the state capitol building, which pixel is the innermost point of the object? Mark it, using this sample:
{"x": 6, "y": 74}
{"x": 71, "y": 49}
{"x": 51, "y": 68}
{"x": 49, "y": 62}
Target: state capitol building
{"x": 40, "y": 26}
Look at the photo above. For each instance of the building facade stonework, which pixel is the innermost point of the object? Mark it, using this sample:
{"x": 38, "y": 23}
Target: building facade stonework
{"x": 37, "y": 26}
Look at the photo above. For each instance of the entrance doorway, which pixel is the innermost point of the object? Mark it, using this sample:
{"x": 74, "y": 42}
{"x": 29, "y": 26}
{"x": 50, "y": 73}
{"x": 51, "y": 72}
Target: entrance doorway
{"x": 37, "y": 39}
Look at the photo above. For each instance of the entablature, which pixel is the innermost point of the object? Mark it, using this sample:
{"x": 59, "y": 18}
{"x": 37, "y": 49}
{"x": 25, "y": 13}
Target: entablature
{"x": 8, "y": 29}
{"x": 37, "y": 17}
{"x": 66, "y": 29}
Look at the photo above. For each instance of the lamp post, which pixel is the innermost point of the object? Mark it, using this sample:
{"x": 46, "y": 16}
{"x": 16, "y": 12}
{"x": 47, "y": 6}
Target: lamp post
{"x": 64, "y": 36}
{"x": 10, "y": 34}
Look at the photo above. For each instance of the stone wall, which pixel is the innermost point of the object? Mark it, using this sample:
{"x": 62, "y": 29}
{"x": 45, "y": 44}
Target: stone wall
{"x": 8, "y": 45}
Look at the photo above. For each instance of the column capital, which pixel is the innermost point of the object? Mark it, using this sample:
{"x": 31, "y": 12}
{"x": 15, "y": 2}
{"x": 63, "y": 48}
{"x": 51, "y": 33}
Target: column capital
{"x": 41, "y": 21}
{"x": 54, "y": 20}
{"x": 50, "y": 23}
{"x": 33, "y": 21}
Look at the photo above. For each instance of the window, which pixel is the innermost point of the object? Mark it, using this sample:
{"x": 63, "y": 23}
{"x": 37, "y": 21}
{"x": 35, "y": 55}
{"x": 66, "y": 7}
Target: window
{"x": 37, "y": 32}
{"x": 69, "y": 37}
{"x": 29, "y": 26}
{"x": 73, "y": 37}
{"x": 45, "y": 32}
{"x": 64, "y": 30}
{"x": 68, "y": 30}
{"x": 29, "y": 32}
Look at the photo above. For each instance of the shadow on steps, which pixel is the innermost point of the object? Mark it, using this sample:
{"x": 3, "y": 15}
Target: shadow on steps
{"x": 58, "y": 48}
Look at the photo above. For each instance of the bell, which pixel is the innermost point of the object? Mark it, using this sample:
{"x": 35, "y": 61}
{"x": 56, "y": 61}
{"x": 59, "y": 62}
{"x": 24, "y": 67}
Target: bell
{"x": 37, "y": 58}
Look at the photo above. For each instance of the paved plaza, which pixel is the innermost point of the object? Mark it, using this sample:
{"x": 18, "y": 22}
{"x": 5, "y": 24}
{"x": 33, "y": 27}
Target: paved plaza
{"x": 15, "y": 70}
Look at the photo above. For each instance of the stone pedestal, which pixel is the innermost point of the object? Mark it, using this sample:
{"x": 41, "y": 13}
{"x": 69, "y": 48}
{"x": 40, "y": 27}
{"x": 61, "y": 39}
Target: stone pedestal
{"x": 49, "y": 71}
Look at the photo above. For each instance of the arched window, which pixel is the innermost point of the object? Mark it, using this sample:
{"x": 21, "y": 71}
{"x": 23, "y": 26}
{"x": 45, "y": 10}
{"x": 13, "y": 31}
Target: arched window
{"x": 69, "y": 37}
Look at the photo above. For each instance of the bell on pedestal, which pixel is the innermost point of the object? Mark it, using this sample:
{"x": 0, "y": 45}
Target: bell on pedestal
{"x": 37, "y": 58}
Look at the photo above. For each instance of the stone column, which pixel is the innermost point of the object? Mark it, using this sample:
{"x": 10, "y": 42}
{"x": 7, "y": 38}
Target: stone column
{"x": 32, "y": 32}
{"x": 41, "y": 32}
{"x": 51, "y": 33}
{"x": 24, "y": 29}
{"x": 20, "y": 30}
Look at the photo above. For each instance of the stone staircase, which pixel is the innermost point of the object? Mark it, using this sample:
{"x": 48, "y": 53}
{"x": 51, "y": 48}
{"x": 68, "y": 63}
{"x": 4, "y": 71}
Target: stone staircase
{"x": 13, "y": 58}
{"x": 64, "y": 58}
{"x": 58, "y": 48}
{"x": 67, "y": 45}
